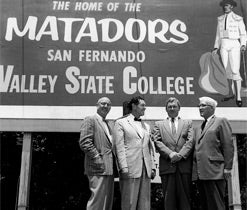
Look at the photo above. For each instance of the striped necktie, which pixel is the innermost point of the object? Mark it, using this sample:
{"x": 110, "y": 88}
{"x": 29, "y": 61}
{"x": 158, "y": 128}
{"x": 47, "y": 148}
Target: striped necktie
{"x": 173, "y": 127}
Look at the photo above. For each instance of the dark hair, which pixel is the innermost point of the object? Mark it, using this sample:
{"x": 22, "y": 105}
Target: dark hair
{"x": 171, "y": 100}
{"x": 231, "y": 2}
{"x": 135, "y": 100}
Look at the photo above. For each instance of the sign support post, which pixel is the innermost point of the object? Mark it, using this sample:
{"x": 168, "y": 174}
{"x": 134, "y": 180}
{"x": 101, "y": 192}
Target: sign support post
{"x": 25, "y": 173}
{"x": 233, "y": 182}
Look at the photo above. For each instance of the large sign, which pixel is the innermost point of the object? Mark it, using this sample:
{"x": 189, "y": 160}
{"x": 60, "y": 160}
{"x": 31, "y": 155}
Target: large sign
{"x": 70, "y": 53}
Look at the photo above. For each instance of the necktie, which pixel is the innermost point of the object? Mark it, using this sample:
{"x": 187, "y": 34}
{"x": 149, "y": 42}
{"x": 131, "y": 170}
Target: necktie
{"x": 225, "y": 21}
{"x": 137, "y": 119}
{"x": 173, "y": 127}
{"x": 109, "y": 129}
{"x": 203, "y": 124}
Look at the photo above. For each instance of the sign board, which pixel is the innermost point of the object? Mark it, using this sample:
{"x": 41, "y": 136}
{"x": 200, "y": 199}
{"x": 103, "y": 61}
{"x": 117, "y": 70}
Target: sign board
{"x": 70, "y": 53}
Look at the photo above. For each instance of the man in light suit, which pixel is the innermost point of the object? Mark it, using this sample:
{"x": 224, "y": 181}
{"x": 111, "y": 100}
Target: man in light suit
{"x": 231, "y": 39}
{"x": 213, "y": 156}
{"x": 173, "y": 139}
{"x": 96, "y": 142}
{"x": 134, "y": 153}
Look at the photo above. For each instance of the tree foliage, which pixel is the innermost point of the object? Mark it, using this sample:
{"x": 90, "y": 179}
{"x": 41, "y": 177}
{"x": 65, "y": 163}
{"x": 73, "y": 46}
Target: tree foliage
{"x": 58, "y": 180}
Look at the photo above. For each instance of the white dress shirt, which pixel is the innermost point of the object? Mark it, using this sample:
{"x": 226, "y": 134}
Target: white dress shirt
{"x": 138, "y": 125}
{"x": 105, "y": 126}
{"x": 175, "y": 123}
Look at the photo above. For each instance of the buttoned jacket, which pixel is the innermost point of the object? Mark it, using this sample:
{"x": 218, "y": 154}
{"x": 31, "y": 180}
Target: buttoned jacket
{"x": 133, "y": 149}
{"x": 213, "y": 150}
{"x": 166, "y": 143}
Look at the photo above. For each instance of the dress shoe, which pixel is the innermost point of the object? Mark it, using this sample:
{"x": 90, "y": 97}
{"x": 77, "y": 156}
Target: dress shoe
{"x": 228, "y": 98}
{"x": 239, "y": 103}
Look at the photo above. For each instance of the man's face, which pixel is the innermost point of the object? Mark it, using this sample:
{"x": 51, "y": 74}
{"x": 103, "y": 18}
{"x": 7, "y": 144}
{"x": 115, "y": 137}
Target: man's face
{"x": 227, "y": 8}
{"x": 172, "y": 109}
{"x": 140, "y": 108}
{"x": 103, "y": 106}
{"x": 205, "y": 110}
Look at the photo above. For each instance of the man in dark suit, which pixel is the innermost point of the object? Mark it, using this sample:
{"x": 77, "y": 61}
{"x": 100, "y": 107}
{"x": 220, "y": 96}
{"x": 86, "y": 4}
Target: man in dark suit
{"x": 135, "y": 157}
{"x": 96, "y": 142}
{"x": 173, "y": 139}
{"x": 213, "y": 156}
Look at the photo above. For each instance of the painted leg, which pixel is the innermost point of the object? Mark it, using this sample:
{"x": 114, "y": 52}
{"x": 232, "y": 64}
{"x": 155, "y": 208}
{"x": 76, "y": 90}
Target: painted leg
{"x": 237, "y": 85}
{"x": 231, "y": 94}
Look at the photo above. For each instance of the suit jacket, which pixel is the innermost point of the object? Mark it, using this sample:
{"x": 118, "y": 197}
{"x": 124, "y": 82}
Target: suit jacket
{"x": 96, "y": 145}
{"x": 132, "y": 147}
{"x": 166, "y": 143}
{"x": 213, "y": 150}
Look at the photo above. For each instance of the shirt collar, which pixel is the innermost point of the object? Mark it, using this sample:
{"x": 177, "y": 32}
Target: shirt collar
{"x": 175, "y": 118}
{"x": 210, "y": 118}
{"x": 228, "y": 14}
{"x": 132, "y": 116}
{"x": 99, "y": 117}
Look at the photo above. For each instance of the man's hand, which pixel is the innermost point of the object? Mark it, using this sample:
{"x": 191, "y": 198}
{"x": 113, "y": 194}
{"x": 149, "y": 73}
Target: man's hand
{"x": 215, "y": 50}
{"x": 243, "y": 48}
{"x": 124, "y": 173}
{"x": 155, "y": 136}
{"x": 227, "y": 173}
{"x": 100, "y": 163}
{"x": 175, "y": 157}
{"x": 153, "y": 173}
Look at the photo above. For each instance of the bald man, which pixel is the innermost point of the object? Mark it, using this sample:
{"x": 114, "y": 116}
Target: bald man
{"x": 213, "y": 156}
{"x": 96, "y": 142}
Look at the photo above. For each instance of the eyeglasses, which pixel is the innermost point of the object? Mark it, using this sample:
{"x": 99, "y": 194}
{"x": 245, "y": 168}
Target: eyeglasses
{"x": 203, "y": 105}
{"x": 105, "y": 104}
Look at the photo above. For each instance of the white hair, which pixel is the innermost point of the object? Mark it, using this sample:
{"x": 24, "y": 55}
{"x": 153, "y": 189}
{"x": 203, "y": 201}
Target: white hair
{"x": 208, "y": 101}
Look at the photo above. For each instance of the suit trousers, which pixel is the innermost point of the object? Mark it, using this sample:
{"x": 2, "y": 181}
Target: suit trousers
{"x": 135, "y": 192}
{"x": 176, "y": 189}
{"x": 212, "y": 193}
{"x": 102, "y": 190}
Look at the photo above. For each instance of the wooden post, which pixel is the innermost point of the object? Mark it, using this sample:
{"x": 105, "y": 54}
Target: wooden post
{"x": 25, "y": 173}
{"x": 233, "y": 182}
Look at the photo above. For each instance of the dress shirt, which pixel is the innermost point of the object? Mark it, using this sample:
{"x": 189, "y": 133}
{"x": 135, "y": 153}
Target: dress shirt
{"x": 105, "y": 126}
{"x": 138, "y": 124}
{"x": 209, "y": 119}
{"x": 175, "y": 123}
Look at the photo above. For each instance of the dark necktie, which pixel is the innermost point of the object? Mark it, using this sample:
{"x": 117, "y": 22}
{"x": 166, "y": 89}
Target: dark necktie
{"x": 109, "y": 129}
{"x": 203, "y": 124}
{"x": 137, "y": 119}
{"x": 225, "y": 21}
{"x": 173, "y": 127}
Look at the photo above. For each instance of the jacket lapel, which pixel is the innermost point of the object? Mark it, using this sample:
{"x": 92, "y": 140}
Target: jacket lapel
{"x": 103, "y": 128}
{"x": 209, "y": 124}
{"x": 167, "y": 127}
{"x": 135, "y": 128}
{"x": 180, "y": 127}
{"x": 146, "y": 133}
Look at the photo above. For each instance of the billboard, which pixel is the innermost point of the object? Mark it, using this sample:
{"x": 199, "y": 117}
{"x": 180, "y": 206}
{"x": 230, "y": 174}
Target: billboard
{"x": 70, "y": 53}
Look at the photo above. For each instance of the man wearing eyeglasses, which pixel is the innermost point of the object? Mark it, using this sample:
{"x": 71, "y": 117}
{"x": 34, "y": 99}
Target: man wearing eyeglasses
{"x": 213, "y": 156}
